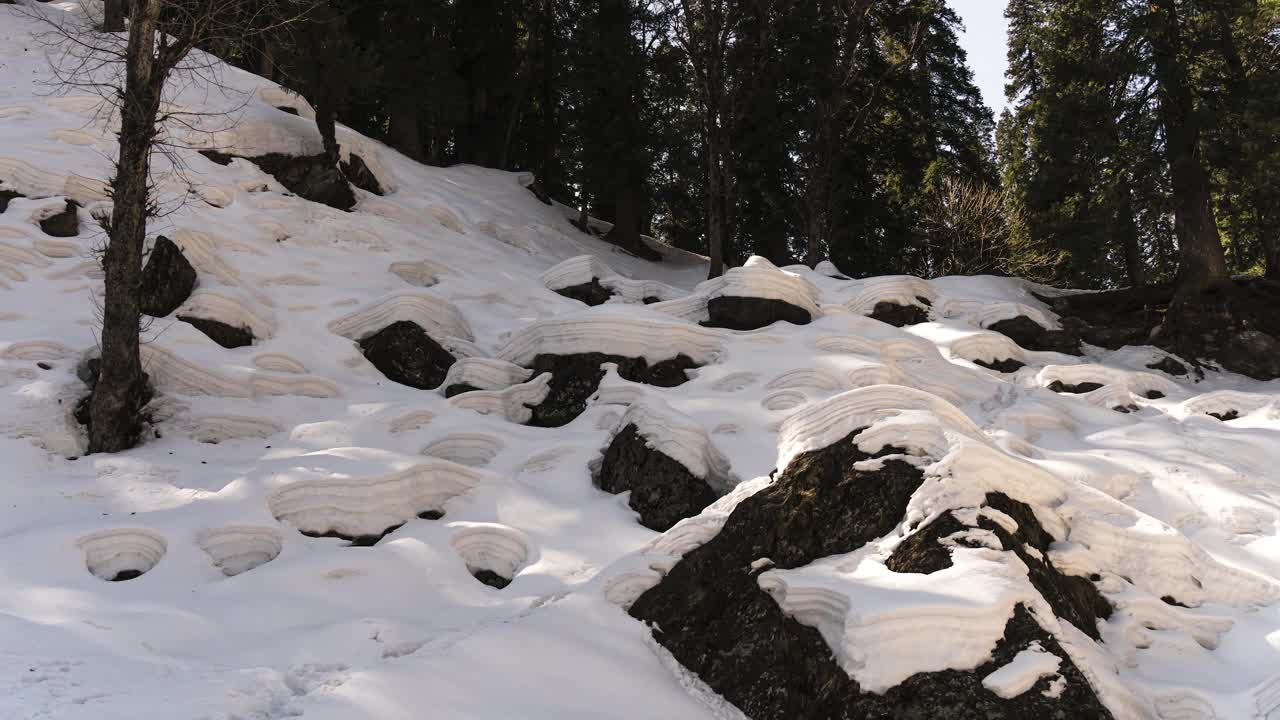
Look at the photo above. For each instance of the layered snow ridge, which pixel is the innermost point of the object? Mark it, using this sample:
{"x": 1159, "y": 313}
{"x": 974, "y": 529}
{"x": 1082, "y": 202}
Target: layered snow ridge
{"x": 299, "y": 535}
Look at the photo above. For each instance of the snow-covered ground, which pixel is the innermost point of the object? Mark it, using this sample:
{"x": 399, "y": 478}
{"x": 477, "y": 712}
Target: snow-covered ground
{"x": 239, "y": 615}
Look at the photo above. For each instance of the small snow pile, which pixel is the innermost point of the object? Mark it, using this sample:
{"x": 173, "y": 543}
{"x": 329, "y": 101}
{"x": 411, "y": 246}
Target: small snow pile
{"x": 870, "y": 492}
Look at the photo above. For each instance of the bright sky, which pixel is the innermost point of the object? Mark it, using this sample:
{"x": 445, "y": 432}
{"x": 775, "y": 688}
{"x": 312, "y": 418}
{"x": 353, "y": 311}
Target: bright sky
{"x": 984, "y": 40}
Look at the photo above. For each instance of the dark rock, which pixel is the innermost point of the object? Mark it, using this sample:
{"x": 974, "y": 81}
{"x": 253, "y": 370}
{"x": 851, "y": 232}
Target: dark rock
{"x": 899, "y": 315}
{"x": 1225, "y": 416}
{"x": 711, "y": 614}
{"x": 287, "y": 109}
{"x": 405, "y": 353}
{"x": 310, "y": 177}
{"x": 1170, "y": 366}
{"x": 359, "y": 174}
{"x": 225, "y": 335}
{"x": 1028, "y": 334}
{"x": 6, "y": 196}
{"x": 574, "y": 379}
{"x": 214, "y": 156}
{"x": 663, "y": 491}
{"x": 1169, "y": 600}
{"x": 591, "y": 293}
{"x": 1126, "y": 409}
{"x": 126, "y": 575}
{"x": 44, "y": 366}
{"x": 65, "y": 224}
{"x": 650, "y": 299}
{"x": 1079, "y": 389}
{"x": 431, "y": 514}
{"x": 1154, "y": 395}
{"x": 751, "y": 313}
{"x": 491, "y": 578}
{"x": 924, "y": 301}
{"x": 167, "y": 279}
{"x": 1007, "y": 365}
{"x": 458, "y": 389}
{"x": 355, "y": 540}
{"x": 922, "y": 551}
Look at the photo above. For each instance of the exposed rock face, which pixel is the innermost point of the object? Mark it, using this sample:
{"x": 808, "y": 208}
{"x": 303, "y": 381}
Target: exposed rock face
{"x": 1030, "y": 335}
{"x": 899, "y": 315}
{"x": 167, "y": 279}
{"x": 355, "y": 540}
{"x": 359, "y": 174}
{"x": 1007, "y": 365}
{"x": 751, "y": 313}
{"x": 663, "y": 491}
{"x": 591, "y": 293}
{"x": 1085, "y": 387}
{"x": 310, "y": 177}
{"x": 65, "y": 224}
{"x": 1168, "y": 365}
{"x": 711, "y": 614}
{"x": 6, "y": 196}
{"x": 491, "y": 578}
{"x": 574, "y": 379}
{"x": 225, "y": 335}
{"x": 405, "y": 353}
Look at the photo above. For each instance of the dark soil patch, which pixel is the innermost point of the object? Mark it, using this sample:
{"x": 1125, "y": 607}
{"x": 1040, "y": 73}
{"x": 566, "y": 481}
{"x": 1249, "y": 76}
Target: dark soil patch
{"x": 899, "y": 315}
{"x": 751, "y": 313}
{"x": 126, "y": 575}
{"x": 1078, "y": 389}
{"x": 491, "y": 578}
{"x": 1154, "y": 395}
{"x": 663, "y": 491}
{"x": 711, "y": 614}
{"x": 1006, "y": 365}
{"x": 406, "y": 354}
{"x": 650, "y": 299}
{"x": 65, "y": 224}
{"x": 575, "y": 378}
{"x": 228, "y": 336}
{"x": 167, "y": 279}
{"x": 287, "y": 109}
{"x": 431, "y": 514}
{"x": 591, "y": 293}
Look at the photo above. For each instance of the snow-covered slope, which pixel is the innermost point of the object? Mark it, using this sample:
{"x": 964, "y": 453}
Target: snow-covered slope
{"x": 237, "y": 614}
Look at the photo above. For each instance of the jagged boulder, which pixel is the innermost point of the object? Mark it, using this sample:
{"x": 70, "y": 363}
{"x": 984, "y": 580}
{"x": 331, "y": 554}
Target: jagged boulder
{"x": 899, "y": 315}
{"x": 711, "y": 614}
{"x": 359, "y": 174}
{"x": 663, "y": 491}
{"x": 167, "y": 279}
{"x": 751, "y": 313}
{"x": 310, "y": 177}
{"x": 575, "y": 378}
{"x": 405, "y": 353}
{"x": 66, "y": 223}
{"x": 591, "y": 292}
{"x": 228, "y": 336}
{"x": 1029, "y": 334}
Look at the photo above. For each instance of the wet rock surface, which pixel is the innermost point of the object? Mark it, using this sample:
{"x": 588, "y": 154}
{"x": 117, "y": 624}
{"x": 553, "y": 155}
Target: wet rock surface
{"x": 1006, "y": 365}
{"x": 167, "y": 279}
{"x": 711, "y": 614}
{"x": 65, "y": 224}
{"x": 405, "y": 353}
{"x": 228, "y": 336}
{"x": 575, "y": 378}
{"x": 663, "y": 491}
{"x": 752, "y": 313}
{"x": 899, "y": 315}
{"x": 591, "y": 293}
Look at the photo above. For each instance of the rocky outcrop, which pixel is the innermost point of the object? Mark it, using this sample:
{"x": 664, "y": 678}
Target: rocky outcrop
{"x": 737, "y": 312}
{"x": 575, "y": 378}
{"x": 1006, "y": 365}
{"x": 899, "y": 315}
{"x": 167, "y": 279}
{"x": 591, "y": 293}
{"x": 1078, "y": 389}
{"x": 711, "y": 614}
{"x": 310, "y": 177}
{"x": 1169, "y": 365}
{"x": 405, "y": 353}
{"x": 663, "y": 491}
{"x": 359, "y": 174}
{"x": 66, "y": 223}
{"x": 228, "y": 336}
{"x": 1029, "y": 334}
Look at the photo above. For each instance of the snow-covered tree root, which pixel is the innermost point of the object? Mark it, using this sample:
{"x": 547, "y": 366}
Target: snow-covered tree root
{"x": 122, "y": 554}
{"x": 362, "y": 509}
{"x": 239, "y": 548}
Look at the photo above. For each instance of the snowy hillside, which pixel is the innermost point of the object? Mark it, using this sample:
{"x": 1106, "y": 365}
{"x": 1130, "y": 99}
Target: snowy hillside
{"x": 862, "y": 515}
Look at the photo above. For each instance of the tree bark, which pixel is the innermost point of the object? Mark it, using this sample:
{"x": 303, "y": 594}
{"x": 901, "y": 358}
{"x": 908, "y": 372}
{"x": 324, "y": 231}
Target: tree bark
{"x": 715, "y": 199}
{"x": 406, "y": 135}
{"x": 1128, "y": 227}
{"x": 113, "y": 16}
{"x": 1201, "y": 259}
{"x": 327, "y": 123}
{"x": 120, "y": 391}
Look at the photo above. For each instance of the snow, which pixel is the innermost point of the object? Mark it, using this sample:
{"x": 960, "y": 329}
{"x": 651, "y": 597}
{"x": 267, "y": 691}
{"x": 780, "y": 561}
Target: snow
{"x": 1022, "y": 672}
{"x": 239, "y": 615}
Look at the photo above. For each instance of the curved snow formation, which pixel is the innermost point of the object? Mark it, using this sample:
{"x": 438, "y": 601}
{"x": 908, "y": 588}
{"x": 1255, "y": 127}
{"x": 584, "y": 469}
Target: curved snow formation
{"x": 513, "y": 403}
{"x": 897, "y": 289}
{"x": 583, "y": 268}
{"x": 639, "y": 333}
{"x": 361, "y": 507}
{"x": 491, "y": 546}
{"x": 133, "y": 551}
{"x": 485, "y": 374}
{"x": 474, "y": 449}
{"x": 240, "y": 548}
{"x": 759, "y": 278}
{"x": 436, "y": 315}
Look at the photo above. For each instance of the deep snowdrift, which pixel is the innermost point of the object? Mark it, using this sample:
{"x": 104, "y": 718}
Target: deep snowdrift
{"x": 1078, "y": 527}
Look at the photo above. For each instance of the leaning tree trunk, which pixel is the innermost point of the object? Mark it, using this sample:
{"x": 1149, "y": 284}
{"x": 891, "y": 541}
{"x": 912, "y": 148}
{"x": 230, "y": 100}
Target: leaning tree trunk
{"x": 120, "y": 392}
{"x": 1201, "y": 259}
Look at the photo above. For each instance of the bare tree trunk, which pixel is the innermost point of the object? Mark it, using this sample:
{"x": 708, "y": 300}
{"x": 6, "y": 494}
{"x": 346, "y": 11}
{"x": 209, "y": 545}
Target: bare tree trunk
{"x": 1201, "y": 259}
{"x": 327, "y": 123}
{"x": 113, "y": 16}
{"x": 1129, "y": 237}
{"x": 406, "y": 135}
{"x": 715, "y": 198}
{"x": 120, "y": 391}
